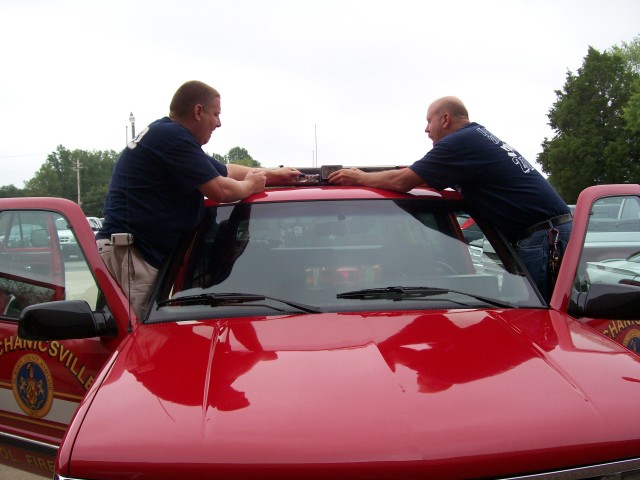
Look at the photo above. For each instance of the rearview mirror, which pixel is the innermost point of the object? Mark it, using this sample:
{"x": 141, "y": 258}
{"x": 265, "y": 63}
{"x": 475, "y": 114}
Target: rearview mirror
{"x": 608, "y": 301}
{"x": 64, "y": 320}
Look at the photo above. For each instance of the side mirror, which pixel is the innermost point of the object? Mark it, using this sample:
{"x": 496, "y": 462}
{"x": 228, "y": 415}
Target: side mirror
{"x": 608, "y": 301}
{"x": 64, "y": 320}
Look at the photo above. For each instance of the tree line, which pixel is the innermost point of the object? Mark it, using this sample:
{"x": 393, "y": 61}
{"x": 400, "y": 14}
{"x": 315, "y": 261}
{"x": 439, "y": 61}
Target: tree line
{"x": 595, "y": 121}
{"x": 58, "y": 176}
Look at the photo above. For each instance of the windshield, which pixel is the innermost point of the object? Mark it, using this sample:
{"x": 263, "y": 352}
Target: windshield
{"x": 272, "y": 256}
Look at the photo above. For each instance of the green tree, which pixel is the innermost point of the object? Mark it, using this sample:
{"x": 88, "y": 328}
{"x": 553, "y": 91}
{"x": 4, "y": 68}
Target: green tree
{"x": 58, "y": 177}
{"x": 590, "y": 145}
{"x": 95, "y": 175}
{"x": 11, "y": 191}
{"x": 631, "y": 113}
{"x": 219, "y": 158}
{"x": 631, "y": 53}
{"x": 239, "y": 156}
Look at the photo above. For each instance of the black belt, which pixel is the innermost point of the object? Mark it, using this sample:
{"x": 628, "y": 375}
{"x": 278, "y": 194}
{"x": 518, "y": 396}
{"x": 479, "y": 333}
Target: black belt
{"x": 552, "y": 222}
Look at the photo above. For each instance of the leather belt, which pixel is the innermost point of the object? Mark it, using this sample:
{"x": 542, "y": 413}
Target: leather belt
{"x": 552, "y": 222}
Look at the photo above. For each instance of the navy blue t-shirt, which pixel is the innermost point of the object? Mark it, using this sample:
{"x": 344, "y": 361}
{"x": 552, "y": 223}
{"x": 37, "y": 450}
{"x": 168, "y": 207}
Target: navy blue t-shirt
{"x": 493, "y": 177}
{"x": 154, "y": 193}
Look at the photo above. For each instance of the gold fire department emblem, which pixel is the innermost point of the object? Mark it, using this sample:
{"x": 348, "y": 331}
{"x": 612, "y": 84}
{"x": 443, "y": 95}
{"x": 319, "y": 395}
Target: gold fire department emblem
{"x": 32, "y": 385}
{"x": 632, "y": 340}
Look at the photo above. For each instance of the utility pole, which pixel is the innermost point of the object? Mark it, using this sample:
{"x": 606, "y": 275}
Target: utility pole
{"x": 132, "y": 119}
{"x": 77, "y": 169}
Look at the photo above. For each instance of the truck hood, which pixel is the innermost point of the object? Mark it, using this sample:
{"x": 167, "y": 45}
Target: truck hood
{"x": 433, "y": 393}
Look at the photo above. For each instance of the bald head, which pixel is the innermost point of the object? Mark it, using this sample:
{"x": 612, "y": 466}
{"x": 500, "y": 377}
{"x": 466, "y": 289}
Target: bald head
{"x": 451, "y": 105}
{"x": 444, "y": 116}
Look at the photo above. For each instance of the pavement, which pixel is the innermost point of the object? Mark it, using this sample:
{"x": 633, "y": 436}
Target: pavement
{"x": 8, "y": 473}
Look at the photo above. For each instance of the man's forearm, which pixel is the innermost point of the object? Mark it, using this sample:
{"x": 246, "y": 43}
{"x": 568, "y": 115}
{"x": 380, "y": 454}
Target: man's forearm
{"x": 238, "y": 172}
{"x": 400, "y": 180}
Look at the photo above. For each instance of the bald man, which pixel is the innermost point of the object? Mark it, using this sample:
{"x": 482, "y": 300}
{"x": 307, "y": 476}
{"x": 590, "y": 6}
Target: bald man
{"x": 499, "y": 182}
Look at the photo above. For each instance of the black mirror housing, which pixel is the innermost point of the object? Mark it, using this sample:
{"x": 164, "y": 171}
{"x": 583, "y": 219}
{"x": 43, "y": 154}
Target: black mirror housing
{"x": 64, "y": 320}
{"x": 609, "y": 301}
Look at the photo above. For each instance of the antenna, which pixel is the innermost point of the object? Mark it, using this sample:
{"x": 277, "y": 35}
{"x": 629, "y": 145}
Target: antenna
{"x": 315, "y": 133}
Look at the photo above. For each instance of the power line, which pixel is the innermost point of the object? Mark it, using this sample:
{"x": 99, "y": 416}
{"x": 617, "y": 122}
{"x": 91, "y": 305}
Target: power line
{"x": 23, "y": 155}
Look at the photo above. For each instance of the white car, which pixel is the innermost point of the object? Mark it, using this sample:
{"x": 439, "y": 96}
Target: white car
{"x": 95, "y": 223}
{"x": 615, "y": 270}
{"x": 68, "y": 242}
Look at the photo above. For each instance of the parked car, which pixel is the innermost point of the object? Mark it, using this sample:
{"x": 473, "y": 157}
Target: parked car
{"x": 67, "y": 239}
{"x": 470, "y": 229}
{"x": 616, "y": 270}
{"x": 96, "y": 224}
{"x": 19, "y": 234}
{"x": 314, "y": 331}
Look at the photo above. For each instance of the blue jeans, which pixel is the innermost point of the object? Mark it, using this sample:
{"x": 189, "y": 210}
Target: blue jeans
{"x": 534, "y": 252}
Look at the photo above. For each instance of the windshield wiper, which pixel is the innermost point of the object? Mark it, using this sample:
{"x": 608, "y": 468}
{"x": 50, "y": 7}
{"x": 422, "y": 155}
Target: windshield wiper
{"x": 403, "y": 293}
{"x": 228, "y": 299}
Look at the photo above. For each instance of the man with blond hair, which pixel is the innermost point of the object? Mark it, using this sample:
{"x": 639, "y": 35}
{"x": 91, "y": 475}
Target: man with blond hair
{"x": 499, "y": 182}
{"x": 157, "y": 189}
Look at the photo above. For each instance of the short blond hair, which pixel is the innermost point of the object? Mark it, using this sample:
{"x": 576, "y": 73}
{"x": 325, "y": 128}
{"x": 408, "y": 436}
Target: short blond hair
{"x": 190, "y": 94}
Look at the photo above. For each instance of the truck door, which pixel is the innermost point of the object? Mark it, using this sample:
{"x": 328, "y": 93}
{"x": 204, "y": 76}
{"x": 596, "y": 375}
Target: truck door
{"x": 599, "y": 282}
{"x": 41, "y": 382}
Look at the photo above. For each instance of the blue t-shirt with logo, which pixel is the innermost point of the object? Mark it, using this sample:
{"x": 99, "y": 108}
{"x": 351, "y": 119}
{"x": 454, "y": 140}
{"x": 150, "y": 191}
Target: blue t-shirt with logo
{"x": 493, "y": 177}
{"x": 154, "y": 193}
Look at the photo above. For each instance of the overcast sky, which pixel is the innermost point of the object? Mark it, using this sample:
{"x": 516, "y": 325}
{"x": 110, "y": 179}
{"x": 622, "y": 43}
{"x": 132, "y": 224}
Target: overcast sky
{"x": 357, "y": 74}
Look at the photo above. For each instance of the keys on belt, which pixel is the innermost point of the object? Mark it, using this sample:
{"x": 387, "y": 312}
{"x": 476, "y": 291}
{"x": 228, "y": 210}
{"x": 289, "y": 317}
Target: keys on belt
{"x": 552, "y": 222}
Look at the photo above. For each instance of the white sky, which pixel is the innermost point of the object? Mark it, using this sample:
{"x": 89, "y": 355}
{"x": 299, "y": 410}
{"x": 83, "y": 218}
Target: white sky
{"x": 360, "y": 73}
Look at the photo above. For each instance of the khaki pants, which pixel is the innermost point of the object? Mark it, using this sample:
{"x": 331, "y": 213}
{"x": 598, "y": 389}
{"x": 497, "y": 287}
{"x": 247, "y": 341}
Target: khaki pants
{"x": 135, "y": 276}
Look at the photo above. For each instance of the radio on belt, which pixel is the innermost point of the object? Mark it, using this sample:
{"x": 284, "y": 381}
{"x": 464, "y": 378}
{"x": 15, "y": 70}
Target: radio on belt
{"x": 121, "y": 239}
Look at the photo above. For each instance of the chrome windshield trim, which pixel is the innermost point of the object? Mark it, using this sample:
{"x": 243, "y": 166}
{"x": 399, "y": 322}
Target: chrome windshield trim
{"x": 604, "y": 470}
{"x": 16, "y": 439}
{"x": 582, "y": 473}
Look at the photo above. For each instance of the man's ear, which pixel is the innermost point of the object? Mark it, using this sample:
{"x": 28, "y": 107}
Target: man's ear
{"x": 198, "y": 109}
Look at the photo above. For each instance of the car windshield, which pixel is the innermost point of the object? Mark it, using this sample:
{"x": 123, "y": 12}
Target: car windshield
{"x": 334, "y": 256}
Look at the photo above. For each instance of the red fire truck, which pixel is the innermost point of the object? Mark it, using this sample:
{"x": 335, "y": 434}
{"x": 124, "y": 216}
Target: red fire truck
{"x": 314, "y": 331}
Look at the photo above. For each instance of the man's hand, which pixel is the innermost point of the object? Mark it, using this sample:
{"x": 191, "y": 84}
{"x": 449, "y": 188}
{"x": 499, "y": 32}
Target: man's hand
{"x": 257, "y": 179}
{"x": 346, "y": 176}
{"x": 274, "y": 176}
{"x": 282, "y": 175}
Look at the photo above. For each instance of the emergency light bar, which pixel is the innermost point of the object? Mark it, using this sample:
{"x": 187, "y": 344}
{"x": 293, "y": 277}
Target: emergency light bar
{"x": 320, "y": 175}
